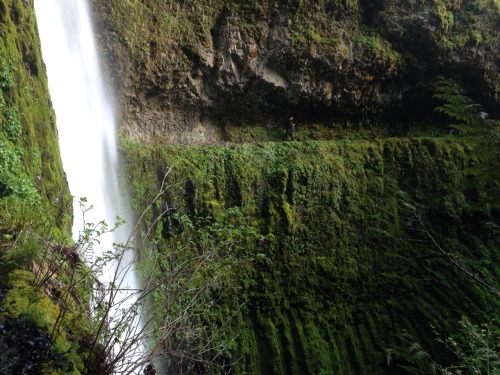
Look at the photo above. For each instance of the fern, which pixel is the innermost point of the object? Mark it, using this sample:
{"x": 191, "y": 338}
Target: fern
{"x": 476, "y": 346}
{"x": 493, "y": 136}
{"x": 470, "y": 116}
{"x": 411, "y": 356}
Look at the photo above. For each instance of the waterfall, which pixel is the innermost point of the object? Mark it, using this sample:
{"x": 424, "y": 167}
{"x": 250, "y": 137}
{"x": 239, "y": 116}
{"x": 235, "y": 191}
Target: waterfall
{"x": 86, "y": 127}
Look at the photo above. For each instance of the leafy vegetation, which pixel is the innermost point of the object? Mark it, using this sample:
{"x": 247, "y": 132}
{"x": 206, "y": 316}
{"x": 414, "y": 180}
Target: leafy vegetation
{"x": 375, "y": 46}
{"x": 463, "y": 24}
{"x": 458, "y": 106}
{"x": 482, "y": 131}
{"x": 34, "y": 273}
{"x": 34, "y": 195}
{"x": 475, "y": 347}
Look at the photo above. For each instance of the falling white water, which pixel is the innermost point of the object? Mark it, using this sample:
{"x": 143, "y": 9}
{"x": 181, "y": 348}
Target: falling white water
{"x": 86, "y": 126}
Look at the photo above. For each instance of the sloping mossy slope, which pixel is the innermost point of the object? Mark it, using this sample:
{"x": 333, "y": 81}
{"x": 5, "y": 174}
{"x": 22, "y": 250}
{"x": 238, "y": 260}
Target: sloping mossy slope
{"x": 35, "y": 210}
{"x": 30, "y": 163}
{"x": 342, "y": 265}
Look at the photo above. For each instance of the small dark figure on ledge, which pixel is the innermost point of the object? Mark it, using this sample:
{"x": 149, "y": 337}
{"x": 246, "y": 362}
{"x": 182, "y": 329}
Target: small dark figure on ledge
{"x": 290, "y": 129}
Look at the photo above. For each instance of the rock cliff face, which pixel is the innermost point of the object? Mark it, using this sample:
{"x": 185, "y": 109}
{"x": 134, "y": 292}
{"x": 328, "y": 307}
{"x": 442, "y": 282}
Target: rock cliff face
{"x": 337, "y": 273}
{"x": 186, "y": 70}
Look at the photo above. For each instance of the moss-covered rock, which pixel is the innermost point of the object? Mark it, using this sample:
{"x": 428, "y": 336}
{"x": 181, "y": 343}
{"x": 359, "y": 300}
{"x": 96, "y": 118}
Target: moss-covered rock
{"x": 30, "y": 163}
{"x": 329, "y": 255}
{"x": 34, "y": 201}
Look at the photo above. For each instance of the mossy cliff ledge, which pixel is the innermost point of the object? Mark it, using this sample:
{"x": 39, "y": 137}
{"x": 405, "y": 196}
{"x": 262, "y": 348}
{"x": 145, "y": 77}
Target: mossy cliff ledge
{"x": 185, "y": 70}
{"x": 328, "y": 263}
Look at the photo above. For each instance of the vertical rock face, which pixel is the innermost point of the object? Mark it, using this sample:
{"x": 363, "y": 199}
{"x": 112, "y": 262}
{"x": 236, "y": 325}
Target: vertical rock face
{"x": 207, "y": 65}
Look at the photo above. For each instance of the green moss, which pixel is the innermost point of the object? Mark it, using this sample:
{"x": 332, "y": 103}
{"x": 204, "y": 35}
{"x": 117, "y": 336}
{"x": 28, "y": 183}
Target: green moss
{"x": 375, "y": 46}
{"x": 463, "y": 25}
{"x": 30, "y": 167}
{"x": 24, "y": 301}
{"x": 34, "y": 196}
{"x": 339, "y": 266}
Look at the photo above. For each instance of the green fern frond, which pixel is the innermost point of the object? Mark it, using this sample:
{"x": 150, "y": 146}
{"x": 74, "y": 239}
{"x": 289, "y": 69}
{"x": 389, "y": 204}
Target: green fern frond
{"x": 493, "y": 136}
{"x": 459, "y": 107}
{"x": 412, "y": 357}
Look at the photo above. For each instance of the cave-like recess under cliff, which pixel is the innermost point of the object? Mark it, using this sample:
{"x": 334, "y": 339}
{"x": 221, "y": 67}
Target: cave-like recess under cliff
{"x": 186, "y": 71}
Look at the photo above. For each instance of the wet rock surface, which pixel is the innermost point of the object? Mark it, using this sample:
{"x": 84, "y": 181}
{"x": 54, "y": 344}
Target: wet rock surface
{"x": 25, "y": 350}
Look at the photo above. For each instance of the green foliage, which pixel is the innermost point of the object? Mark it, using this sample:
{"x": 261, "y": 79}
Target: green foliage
{"x": 6, "y": 68}
{"x": 459, "y": 107}
{"x": 30, "y": 164}
{"x": 33, "y": 191}
{"x": 465, "y": 24}
{"x": 477, "y": 348}
{"x": 13, "y": 129}
{"x": 13, "y": 178}
{"x": 26, "y": 252}
{"x": 411, "y": 356}
{"x": 472, "y": 121}
{"x": 196, "y": 266}
{"x": 375, "y": 46}
{"x": 19, "y": 216}
{"x": 49, "y": 288}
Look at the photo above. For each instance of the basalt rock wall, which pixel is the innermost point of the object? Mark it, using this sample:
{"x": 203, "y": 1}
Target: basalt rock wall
{"x": 185, "y": 70}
